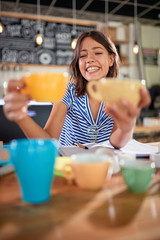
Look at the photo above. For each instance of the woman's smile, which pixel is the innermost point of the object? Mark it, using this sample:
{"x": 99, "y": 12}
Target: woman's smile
{"x": 92, "y": 69}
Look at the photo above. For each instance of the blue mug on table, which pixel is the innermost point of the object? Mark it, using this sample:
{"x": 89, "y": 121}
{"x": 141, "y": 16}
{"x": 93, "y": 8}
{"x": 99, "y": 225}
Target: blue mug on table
{"x": 33, "y": 161}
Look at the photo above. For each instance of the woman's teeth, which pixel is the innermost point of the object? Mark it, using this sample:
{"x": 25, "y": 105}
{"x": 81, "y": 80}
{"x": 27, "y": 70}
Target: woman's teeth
{"x": 92, "y": 69}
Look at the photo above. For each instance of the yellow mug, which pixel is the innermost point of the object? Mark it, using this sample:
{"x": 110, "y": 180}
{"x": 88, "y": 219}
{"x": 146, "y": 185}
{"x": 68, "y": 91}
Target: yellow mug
{"x": 45, "y": 86}
{"x": 111, "y": 90}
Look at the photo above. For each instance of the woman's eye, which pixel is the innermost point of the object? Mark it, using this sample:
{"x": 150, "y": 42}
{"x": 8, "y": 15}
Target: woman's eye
{"x": 82, "y": 56}
{"x": 97, "y": 53}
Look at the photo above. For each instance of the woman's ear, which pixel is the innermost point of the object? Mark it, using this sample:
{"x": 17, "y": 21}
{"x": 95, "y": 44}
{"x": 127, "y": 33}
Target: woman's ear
{"x": 111, "y": 60}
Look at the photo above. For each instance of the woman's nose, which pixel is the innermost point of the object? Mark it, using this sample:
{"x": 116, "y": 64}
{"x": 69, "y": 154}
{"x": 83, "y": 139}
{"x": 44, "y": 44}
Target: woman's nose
{"x": 90, "y": 58}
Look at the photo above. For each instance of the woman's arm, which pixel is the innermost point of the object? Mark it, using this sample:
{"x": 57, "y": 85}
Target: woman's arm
{"x": 56, "y": 120}
{"x": 125, "y": 119}
{"x": 52, "y": 128}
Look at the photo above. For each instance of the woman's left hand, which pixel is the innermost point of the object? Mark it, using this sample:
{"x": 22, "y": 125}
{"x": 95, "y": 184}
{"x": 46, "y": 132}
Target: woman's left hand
{"x": 125, "y": 113}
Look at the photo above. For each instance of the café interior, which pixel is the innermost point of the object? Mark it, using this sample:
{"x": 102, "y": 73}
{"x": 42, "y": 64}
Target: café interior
{"x": 40, "y": 36}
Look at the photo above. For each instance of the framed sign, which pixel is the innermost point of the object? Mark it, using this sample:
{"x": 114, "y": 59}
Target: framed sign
{"x": 150, "y": 56}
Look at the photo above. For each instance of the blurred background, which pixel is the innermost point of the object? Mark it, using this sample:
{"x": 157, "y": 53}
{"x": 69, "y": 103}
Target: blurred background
{"x": 39, "y": 35}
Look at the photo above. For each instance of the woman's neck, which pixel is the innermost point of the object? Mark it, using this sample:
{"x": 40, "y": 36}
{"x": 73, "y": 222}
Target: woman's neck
{"x": 94, "y": 107}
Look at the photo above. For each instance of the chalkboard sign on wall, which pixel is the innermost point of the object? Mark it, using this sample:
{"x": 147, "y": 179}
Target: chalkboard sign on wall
{"x": 17, "y": 42}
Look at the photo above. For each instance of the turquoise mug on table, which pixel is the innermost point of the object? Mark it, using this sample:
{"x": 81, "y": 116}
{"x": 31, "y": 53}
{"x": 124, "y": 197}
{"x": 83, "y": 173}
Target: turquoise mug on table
{"x": 33, "y": 161}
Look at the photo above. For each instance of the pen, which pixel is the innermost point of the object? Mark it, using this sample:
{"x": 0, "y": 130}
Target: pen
{"x": 80, "y": 145}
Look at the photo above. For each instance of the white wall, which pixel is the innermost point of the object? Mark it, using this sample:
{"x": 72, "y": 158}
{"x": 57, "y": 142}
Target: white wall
{"x": 149, "y": 37}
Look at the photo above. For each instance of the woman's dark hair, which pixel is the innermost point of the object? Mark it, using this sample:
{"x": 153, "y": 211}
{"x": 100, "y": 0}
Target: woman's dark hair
{"x": 76, "y": 77}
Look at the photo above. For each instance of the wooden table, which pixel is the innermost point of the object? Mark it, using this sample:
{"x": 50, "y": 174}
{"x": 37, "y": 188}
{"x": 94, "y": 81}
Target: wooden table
{"x": 72, "y": 214}
{"x": 147, "y": 134}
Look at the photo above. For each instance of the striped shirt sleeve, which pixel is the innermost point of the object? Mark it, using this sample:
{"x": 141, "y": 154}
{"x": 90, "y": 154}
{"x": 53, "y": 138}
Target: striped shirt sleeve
{"x": 68, "y": 96}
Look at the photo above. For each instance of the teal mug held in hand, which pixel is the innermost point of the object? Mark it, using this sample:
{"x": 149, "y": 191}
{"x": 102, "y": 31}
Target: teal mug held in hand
{"x": 33, "y": 161}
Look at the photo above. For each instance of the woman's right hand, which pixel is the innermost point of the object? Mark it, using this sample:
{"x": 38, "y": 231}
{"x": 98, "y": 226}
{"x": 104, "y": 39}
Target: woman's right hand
{"x": 16, "y": 103}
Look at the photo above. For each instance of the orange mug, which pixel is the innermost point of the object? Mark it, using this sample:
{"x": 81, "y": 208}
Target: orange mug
{"x": 89, "y": 170}
{"x": 45, "y": 86}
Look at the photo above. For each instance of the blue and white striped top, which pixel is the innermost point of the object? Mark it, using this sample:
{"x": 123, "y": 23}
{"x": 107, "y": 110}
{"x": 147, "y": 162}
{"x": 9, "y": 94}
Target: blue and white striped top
{"x": 79, "y": 125}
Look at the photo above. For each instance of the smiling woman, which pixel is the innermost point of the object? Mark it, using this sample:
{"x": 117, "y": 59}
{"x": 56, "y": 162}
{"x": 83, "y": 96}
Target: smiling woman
{"x": 94, "y": 53}
{"x": 92, "y": 61}
{"x": 78, "y": 117}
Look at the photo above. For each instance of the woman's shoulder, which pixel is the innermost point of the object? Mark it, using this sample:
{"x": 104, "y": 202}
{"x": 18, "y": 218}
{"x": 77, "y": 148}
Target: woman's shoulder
{"x": 71, "y": 89}
{"x": 71, "y": 86}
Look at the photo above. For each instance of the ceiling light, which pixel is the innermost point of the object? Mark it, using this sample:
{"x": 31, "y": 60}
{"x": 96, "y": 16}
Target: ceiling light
{"x": 74, "y": 33}
{"x": 135, "y": 48}
{"x": 39, "y": 38}
{"x": 1, "y": 25}
{"x": 136, "y": 45}
{"x": 73, "y": 43}
{"x": 106, "y": 21}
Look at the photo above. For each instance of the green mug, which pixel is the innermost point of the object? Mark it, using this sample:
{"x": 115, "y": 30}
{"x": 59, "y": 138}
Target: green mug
{"x": 137, "y": 174}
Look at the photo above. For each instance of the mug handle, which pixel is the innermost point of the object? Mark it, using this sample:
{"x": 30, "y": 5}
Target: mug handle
{"x": 68, "y": 172}
{"x": 24, "y": 91}
{"x": 4, "y": 155}
{"x": 93, "y": 90}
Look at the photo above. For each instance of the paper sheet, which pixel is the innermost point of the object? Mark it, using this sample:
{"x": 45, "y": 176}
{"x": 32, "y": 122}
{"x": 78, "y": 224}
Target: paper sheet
{"x": 133, "y": 146}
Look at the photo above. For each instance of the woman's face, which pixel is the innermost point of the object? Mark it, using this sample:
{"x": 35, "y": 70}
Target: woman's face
{"x": 94, "y": 60}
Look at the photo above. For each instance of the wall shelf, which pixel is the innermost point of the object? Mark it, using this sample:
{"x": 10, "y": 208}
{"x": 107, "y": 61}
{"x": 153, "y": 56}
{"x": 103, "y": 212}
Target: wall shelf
{"x": 119, "y": 35}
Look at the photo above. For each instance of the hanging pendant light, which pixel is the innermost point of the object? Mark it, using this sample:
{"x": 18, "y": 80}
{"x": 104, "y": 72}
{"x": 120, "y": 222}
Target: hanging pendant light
{"x": 135, "y": 46}
{"x": 73, "y": 43}
{"x": 39, "y": 38}
{"x": 106, "y": 19}
{"x": 1, "y": 25}
{"x": 74, "y": 33}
